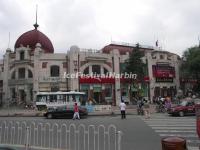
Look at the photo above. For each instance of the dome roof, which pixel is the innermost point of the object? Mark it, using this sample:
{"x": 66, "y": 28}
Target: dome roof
{"x": 33, "y": 37}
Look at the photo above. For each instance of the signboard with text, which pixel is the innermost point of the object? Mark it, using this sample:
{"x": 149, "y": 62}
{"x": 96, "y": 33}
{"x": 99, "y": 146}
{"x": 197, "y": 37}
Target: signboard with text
{"x": 164, "y": 79}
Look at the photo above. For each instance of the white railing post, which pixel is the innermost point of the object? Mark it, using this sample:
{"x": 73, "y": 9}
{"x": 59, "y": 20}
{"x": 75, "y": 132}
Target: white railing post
{"x": 27, "y": 138}
{"x": 119, "y": 139}
{"x": 52, "y": 136}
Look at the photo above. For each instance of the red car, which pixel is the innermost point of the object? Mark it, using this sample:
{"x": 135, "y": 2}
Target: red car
{"x": 184, "y": 108}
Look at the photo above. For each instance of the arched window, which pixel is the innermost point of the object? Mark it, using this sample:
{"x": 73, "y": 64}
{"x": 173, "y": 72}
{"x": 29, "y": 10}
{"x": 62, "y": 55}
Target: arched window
{"x": 86, "y": 71}
{"x": 105, "y": 71}
{"x": 55, "y": 71}
{"x": 96, "y": 69}
{"x": 30, "y": 74}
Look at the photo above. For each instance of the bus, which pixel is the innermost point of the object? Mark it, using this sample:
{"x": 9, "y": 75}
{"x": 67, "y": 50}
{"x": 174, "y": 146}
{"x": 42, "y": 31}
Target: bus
{"x": 45, "y": 100}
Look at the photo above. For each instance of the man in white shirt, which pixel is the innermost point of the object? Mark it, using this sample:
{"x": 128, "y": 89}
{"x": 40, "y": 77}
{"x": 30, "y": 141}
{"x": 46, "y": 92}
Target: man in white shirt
{"x": 122, "y": 106}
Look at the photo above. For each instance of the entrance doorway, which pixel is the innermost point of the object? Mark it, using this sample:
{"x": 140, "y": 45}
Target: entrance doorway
{"x": 22, "y": 97}
{"x": 97, "y": 97}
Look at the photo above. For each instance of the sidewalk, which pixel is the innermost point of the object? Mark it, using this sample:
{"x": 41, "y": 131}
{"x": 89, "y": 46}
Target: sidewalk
{"x": 131, "y": 110}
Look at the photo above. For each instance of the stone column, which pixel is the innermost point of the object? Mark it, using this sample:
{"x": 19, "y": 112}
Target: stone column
{"x": 27, "y": 91}
{"x": 101, "y": 70}
{"x": 74, "y": 68}
{"x": 90, "y": 70}
{"x": 37, "y": 53}
{"x": 150, "y": 74}
{"x": 177, "y": 77}
{"x": 6, "y": 90}
{"x": 116, "y": 72}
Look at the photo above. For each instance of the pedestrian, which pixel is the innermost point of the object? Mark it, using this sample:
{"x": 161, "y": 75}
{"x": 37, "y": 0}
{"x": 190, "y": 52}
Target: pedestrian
{"x": 76, "y": 112}
{"x": 168, "y": 104}
{"x": 140, "y": 104}
{"x": 122, "y": 106}
{"x": 147, "y": 109}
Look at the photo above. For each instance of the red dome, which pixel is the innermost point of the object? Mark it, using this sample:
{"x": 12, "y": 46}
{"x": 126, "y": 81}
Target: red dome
{"x": 33, "y": 37}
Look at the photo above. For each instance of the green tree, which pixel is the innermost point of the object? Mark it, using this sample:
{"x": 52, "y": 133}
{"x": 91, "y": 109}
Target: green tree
{"x": 190, "y": 67}
{"x": 135, "y": 64}
{"x": 191, "y": 63}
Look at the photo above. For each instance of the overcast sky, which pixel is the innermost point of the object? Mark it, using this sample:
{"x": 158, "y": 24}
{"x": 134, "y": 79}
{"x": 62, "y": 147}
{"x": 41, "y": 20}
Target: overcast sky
{"x": 95, "y": 23}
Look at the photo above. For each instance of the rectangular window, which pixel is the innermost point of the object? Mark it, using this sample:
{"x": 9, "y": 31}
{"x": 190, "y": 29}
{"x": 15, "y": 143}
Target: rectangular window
{"x": 44, "y": 65}
{"x": 22, "y": 55}
{"x": 54, "y": 89}
{"x": 1, "y": 83}
{"x": 55, "y": 71}
{"x": 108, "y": 90}
{"x": 64, "y": 65}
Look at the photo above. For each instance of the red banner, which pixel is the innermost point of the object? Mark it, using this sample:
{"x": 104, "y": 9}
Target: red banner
{"x": 163, "y": 71}
{"x": 101, "y": 80}
{"x": 96, "y": 80}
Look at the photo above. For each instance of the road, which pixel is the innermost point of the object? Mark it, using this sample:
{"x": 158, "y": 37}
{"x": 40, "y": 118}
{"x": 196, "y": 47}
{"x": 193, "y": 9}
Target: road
{"x": 167, "y": 126}
{"x": 138, "y": 133}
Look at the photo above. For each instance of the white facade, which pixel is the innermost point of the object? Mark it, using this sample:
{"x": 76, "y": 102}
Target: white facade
{"x": 163, "y": 58}
{"x": 26, "y": 71}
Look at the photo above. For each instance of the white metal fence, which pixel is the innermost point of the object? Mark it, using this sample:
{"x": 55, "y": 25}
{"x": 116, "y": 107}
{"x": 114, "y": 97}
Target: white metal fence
{"x": 31, "y": 135}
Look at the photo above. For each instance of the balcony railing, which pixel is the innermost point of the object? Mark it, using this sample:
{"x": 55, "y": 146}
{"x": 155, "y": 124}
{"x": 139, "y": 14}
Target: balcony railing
{"x": 25, "y": 61}
{"x": 20, "y": 81}
{"x": 52, "y": 79}
{"x": 90, "y": 50}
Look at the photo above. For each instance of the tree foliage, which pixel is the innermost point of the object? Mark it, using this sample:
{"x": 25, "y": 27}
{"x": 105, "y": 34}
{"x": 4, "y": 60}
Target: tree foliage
{"x": 135, "y": 64}
{"x": 190, "y": 67}
{"x": 191, "y": 64}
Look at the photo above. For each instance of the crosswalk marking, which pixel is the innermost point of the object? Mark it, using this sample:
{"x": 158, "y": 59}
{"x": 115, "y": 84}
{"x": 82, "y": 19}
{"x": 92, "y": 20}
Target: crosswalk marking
{"x": 176, "y": 131}
{"x": 167, "y": 126}
{"x": 176, "y": 128}
{"x": 180, "y": 135}
{"x": 171, "y": 125}
{"x": 193, "y": 148}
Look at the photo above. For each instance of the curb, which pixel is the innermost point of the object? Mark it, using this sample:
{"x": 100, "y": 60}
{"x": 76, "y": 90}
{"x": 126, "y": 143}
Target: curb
{"x": 40, "y": 114}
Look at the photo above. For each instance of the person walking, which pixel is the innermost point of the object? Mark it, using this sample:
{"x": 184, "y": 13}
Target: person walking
{"x": 122, "y": 106}
{"x": 76, "y": 112}
{"x": 140, "y": 109}
{"x": 147, "y": 109}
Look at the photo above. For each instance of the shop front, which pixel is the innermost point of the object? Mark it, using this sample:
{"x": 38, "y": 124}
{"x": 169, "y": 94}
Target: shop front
{"x": 164, "y": 76}
{"x": 165, "y": 91}
{"x": 100, "y": 91}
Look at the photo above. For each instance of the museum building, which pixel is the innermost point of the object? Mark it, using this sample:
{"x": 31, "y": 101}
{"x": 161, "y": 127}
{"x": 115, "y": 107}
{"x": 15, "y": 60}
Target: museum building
{"x": 33, "y": 67}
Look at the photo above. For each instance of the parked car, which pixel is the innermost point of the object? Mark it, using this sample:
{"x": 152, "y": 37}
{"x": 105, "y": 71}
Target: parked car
{"x": 6, "y": 148}
{"x": 184, "y": 108}
{"x": 64, "y": 112}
